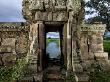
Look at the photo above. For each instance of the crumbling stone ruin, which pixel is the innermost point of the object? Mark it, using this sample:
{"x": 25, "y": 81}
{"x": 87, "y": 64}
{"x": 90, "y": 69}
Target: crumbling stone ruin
{"x": 81, "y": 43}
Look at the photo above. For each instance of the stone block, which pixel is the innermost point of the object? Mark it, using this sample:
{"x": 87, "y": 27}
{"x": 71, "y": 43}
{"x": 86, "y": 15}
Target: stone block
{"x": 60, "y": 16}
{"x": 38, "y": 16}
{"x": 4, "y": 49}
{"x": 60, "y": 8}
{"x": 8, "y": 41}
{"x": 32, "y": 69}
{"x": 99, "y": 40}
{"x": 22, "y": 44}
{"x": 1, "y": 63}
{"x": 8, "y": 58}
{"x": 49, "y": 16}
{"x": 94, "y": 47}
{"x": 78, "y": 68}
{"x": 102, "y": 56}
{"x": 82, "y": 77}
{"x": 0, "y": 39}
{"x": 100, "y": 48}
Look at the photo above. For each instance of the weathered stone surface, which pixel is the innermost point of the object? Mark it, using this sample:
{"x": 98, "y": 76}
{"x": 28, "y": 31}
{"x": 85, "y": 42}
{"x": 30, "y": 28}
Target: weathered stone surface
{"x": 101, "y": 56}
{"x": 8, "y": 41}
{"x": 78, "y": 68}
{"x": 9, "y": 34}
{"x": 6, "y": 49}
{"x": 8, "y": 58}
{"x": 1, "y": 61}
{"x": 22, "y": 43}
{"x": 60, "y": 16}
{"x": 36, "y": 5}
{"x": 51, "y": 16}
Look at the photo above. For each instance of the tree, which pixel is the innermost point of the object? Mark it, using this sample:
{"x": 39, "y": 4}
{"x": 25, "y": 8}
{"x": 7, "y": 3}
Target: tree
{"x": 102, "y": 8}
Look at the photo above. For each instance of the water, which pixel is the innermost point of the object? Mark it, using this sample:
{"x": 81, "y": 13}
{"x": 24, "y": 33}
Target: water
{"x": 53, "y": 50}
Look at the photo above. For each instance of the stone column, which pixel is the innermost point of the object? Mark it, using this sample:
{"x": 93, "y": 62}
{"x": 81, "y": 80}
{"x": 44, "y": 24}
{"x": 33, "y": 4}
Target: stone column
{"x": 41, "y": 37}
{"x": 100, "y": 54}
{"x": 33, "y": 56}
{"x": 69, "y": 54}
{"x": 64, "y": 44}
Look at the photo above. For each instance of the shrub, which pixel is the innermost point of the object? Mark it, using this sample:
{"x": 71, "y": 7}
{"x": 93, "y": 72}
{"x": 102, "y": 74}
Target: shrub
{"x": 97, "y": 74}
{"x": 107, "y": 46}
{"x": 9, "y": 74}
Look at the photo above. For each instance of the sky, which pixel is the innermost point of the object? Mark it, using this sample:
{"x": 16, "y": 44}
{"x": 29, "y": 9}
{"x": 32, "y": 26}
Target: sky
{"x": 10, "y": 11}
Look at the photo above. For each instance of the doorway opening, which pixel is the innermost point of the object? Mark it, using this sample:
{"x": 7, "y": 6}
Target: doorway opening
{"x": 54, "y": 58}
{"x": 53, "y": 49}
{"x": 53, "y": 46}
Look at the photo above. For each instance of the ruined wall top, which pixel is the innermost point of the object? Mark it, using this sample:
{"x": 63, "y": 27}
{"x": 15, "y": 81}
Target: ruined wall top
{"x": 53, "y": 5}
{"x": 14, "y": 26}
{"x": 32, "y": 6}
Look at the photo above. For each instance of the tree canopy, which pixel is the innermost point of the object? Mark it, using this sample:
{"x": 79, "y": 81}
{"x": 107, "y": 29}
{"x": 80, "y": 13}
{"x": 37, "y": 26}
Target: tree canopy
{"x": 102, "y": 8}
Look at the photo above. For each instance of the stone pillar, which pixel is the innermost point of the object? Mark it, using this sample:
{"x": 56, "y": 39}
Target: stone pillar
{"x": 69, "y": 54}
{"x": 100, "y": 54}
{"x": 64, "y": 44}
{"x": 41, "y": 37}
{"x": 33, "y": 56}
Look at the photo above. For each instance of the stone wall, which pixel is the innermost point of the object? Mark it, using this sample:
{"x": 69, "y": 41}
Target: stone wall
{"x": 92, "y": 40}
{"x": 82, "y": 45}
{"x": 13, "y": 43}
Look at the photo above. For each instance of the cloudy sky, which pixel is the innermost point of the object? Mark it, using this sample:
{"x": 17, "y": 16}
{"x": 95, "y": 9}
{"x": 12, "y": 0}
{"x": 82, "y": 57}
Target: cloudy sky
{"x": 10, "y": 11}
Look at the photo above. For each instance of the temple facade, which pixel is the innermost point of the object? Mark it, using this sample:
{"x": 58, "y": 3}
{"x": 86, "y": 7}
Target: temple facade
{"x": 81, "y": 44}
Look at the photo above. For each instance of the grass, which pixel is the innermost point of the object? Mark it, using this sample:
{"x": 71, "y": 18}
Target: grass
{"x": 107, "y": 46}
{"x": 56, "y": 40}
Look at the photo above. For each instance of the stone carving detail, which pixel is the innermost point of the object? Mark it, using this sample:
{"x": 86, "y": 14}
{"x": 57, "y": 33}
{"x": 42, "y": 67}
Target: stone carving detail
{"x": 36, "y": 4}
{"x": 74, "y": 6}
{"x": 22, "y": 43}
{"x": 25, "y": 11}
{"x": 13, "y": 42}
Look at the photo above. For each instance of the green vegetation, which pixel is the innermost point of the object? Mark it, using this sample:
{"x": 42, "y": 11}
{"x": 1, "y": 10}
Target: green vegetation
{"x": 56, "y": 40}
{"x": 101, "y": 7}
{"x": 97, "y": 74}
{"x": 9, "y": 74}
{"x": 107, "y": 46}
{"x": 70, "y": 78}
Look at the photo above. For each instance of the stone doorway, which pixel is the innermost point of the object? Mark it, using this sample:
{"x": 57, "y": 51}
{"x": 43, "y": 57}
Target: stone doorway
{"x": 53, "y": 28}
{"x": 52, "y": 67}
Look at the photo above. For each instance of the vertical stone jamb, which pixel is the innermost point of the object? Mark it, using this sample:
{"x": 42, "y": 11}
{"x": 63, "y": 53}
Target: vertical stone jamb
{"x": 65, "y": 43}
{"x": 69, "y": 56}
{"x": 41, "y": 36}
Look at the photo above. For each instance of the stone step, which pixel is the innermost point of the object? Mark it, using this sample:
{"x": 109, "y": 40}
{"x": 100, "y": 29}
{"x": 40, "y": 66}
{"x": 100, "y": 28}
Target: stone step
{"x": 56, "y": 81}
{"x": 82, "y": 77}
{"x": 54, "y": 74}
{"x": 55, "y": 77}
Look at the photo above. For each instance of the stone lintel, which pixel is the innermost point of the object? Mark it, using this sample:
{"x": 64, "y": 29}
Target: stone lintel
{"x": 14, "y": 28}
{"x": 54, "y": 22}
{"x": 51, "y": 16}
{"x": 102, "y": 56}
{"x": 93, "y": 27}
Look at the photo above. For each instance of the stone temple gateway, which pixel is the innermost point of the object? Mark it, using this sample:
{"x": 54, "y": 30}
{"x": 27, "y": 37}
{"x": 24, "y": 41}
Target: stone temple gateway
{"x": 80, "y": 42}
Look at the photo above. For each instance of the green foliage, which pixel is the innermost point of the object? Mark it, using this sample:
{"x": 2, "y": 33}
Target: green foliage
{"x": 102, "y": 8}
{"x": 106, "y": 38}
{"x": 56, "y": 40}
{"x": 97, "y": 74}
{"x": 9, "y": 74}
{"x": 70, "y": 77}
{"x": 107, "y": 46}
